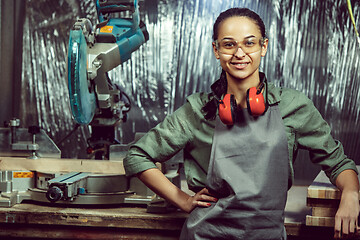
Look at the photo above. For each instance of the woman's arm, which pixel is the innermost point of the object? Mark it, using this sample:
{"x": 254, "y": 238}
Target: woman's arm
{"x": 158, "y": 182}
{"x": 346, "y": 218}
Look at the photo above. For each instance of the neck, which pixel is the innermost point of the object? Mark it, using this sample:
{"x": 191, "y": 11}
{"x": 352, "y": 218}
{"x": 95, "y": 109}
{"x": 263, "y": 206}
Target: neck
{"x": 239, "y": 87}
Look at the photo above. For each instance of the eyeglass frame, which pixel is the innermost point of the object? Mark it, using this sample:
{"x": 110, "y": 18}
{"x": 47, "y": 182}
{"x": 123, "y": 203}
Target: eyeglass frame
{"x": 262, "y": 41}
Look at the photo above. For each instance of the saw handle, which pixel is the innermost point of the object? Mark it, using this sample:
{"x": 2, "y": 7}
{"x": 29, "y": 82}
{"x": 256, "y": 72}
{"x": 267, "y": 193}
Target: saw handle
{"x": 113, "y": 6}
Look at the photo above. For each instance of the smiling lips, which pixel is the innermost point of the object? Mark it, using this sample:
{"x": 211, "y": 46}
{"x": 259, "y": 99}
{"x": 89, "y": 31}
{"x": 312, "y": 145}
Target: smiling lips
{"x": 239, "y": 66}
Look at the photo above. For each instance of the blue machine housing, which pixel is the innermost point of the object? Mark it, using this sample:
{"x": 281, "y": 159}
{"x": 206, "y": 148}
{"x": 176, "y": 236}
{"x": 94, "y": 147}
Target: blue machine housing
{"x": 128, "y": 33}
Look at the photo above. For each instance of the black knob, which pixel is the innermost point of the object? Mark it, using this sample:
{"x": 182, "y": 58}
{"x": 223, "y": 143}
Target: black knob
{"x": 54, "y": 194}
{"x": 34, "y": 129}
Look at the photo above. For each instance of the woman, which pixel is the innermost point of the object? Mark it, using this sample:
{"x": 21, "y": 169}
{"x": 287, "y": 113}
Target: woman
{"x": 239, "y": 145}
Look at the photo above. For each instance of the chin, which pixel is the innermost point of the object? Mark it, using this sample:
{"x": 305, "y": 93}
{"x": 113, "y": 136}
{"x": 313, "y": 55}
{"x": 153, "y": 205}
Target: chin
{"x": 241, "y": 76}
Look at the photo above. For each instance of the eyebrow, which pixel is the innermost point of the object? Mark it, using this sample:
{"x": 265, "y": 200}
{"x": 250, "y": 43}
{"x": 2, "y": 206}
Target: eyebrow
{"x": 230, "y": 38}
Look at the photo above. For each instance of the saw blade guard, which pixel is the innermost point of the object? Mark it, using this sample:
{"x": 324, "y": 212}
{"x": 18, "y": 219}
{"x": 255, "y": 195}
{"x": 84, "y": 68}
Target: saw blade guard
{"x": 82, "y": 96}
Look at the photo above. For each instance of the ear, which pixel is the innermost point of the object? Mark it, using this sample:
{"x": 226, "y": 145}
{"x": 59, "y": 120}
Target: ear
{"x": 264, "y": 47}
{"x": 216, "y": 52}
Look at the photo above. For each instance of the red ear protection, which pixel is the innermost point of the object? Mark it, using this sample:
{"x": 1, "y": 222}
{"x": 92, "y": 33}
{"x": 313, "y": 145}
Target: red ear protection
{"x": 227, "y": 109}
{"x": 256, "y": 105}
{"x": 255, "y": 102}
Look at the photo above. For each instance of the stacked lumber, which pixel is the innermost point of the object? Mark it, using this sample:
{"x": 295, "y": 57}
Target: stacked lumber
{"x": 324, "y": 199}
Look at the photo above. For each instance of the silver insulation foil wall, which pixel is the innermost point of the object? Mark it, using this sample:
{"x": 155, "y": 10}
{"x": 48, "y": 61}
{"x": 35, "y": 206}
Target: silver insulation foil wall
{"x": 312, "y": 48}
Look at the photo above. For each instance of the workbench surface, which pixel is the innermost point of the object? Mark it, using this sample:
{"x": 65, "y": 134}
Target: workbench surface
{"x": 124, "y": 222}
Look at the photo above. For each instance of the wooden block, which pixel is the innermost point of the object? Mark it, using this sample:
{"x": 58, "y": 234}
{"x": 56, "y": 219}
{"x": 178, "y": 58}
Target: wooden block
{"x": 322, "y": 188}
{"x": 324, "y": 198}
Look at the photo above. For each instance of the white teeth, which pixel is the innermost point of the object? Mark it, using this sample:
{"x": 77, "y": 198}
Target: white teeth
{"x": 240, "y": 64}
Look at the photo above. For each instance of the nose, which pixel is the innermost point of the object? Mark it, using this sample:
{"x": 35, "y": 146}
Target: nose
{"x": 239, "y": 52}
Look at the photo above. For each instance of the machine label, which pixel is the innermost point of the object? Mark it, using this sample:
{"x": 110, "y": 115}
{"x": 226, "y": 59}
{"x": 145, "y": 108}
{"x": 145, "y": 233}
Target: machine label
{"x": 107, "y": 29}
{"x": 23, "y": 174}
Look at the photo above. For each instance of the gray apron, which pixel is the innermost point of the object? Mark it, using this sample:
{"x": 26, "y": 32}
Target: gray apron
{"x": 248, "y": 173}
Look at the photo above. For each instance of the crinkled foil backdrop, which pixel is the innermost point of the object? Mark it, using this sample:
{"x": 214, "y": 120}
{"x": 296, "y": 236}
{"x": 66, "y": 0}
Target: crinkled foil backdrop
{"x": 312, "y": 48}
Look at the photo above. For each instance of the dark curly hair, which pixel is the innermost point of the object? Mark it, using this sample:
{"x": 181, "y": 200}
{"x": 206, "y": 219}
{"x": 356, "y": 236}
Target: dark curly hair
{"x": 220, "y": 86}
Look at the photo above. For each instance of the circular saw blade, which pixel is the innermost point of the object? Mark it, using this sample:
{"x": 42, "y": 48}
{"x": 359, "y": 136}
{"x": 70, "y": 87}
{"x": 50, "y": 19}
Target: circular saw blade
{"x": 82, "y": 97}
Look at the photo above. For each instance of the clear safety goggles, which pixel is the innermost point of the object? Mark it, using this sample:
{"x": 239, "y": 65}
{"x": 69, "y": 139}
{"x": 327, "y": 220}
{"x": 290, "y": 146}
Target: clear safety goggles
{"x": 230, "y": 46}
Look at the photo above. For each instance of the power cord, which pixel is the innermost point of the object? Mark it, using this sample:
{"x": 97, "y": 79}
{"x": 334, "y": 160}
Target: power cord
{"x": 353, "y": 20}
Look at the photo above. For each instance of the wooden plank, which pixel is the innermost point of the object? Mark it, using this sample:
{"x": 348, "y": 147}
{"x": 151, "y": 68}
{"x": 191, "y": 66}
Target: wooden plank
{"x": 61, "y": 165}
{"x": 322, "y": 188}
{"x": 320, "y": 221}
{"x": 41, "y": 232}
{"x": 319, "y": 202}
{"x": 323, "y": 212}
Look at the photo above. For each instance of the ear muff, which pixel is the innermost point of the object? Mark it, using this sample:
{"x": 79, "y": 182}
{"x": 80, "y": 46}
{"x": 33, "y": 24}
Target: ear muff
{"x": 255, "y": 101}
{"x": 227, "y": 109}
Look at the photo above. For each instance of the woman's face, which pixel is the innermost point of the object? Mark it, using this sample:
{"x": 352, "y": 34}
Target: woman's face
{"x": 244, "y": 62}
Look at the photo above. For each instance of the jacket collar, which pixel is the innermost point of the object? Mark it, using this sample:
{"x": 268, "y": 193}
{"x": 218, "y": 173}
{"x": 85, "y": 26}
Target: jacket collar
{"x": 274, "y": 94}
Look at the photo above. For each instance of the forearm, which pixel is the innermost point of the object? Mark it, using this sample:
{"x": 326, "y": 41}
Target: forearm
{"x": 158, "y": 182}
{"x": 347, "y": 181}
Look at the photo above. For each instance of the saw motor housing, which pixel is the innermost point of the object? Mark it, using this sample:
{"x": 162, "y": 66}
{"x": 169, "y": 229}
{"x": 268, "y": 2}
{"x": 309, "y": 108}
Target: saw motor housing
{"x": 93, "y": 51}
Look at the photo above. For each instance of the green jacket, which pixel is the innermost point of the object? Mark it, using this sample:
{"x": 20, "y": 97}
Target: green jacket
{"x": 187, "y": 129}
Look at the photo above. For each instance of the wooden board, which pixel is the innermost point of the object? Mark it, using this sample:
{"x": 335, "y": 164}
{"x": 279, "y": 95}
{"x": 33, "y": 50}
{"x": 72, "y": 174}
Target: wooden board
{"x": 323, "y": 211}
{"x": 61, "y": 165}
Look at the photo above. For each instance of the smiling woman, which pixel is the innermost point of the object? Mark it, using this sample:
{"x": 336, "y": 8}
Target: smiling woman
{"x": 241, "y": 168}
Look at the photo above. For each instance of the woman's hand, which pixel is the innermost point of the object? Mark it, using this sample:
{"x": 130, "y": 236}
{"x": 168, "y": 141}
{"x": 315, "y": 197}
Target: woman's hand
{"x": 346, "y": 218}
{"x": 158, "y": 183}
{"x": 200, "y": 199}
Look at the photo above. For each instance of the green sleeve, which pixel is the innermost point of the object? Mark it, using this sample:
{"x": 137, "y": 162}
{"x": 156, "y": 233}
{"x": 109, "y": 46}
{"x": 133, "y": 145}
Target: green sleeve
{"x": 313, "y": 133}
{"x": 160, "y": 143}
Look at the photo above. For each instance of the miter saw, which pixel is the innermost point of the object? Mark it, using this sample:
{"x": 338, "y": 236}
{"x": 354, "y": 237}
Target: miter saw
{"x": 97, "y": 102}
{"x": 93, "y": 51}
